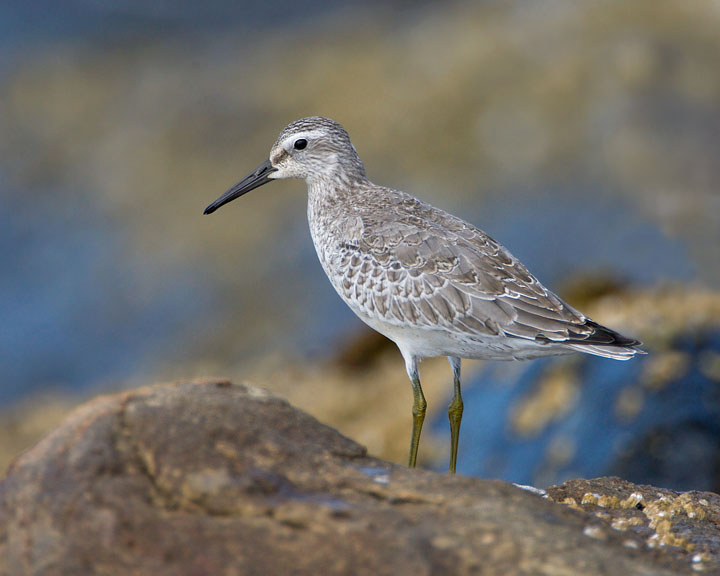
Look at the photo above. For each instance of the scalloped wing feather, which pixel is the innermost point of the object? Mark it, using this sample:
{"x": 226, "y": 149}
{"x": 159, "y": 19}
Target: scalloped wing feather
{"x": 428, "y": 269}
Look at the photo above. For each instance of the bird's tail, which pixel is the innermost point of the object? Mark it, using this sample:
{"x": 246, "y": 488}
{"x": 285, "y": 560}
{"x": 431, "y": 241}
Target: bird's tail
{"x": 614, "y": 352}
{"x": 607, "y": 343}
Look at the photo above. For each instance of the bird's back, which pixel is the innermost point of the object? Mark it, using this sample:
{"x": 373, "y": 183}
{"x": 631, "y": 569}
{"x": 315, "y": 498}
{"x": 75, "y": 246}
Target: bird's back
{"x": 410, "y": 269}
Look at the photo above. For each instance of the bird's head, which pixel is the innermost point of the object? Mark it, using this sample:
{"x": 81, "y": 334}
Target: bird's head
{"x": 313, "y": 149}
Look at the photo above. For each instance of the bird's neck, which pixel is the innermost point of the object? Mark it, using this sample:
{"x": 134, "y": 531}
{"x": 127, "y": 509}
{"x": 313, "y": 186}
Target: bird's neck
{"x": 335, "y": 188}
{"x": 331, "y": 198}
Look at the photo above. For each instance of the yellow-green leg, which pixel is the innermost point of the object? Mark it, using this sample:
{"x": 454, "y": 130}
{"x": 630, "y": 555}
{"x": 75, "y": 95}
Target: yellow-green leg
{"x": 455, "y": 412}
{"x": 418, "y": 410}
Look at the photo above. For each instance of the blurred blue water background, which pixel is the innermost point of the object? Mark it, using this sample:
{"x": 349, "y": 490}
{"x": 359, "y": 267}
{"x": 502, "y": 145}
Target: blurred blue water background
{"x": 585, "y": 137}
{"x": 85, "y": 313}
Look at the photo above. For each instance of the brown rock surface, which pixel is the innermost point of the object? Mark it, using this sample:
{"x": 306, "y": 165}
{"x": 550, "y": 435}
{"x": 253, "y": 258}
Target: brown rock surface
{"x": 216, "y": 478}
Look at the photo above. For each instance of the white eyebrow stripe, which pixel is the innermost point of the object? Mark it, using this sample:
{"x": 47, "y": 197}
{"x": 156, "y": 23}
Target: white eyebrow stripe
{"x": 290, "y": 140}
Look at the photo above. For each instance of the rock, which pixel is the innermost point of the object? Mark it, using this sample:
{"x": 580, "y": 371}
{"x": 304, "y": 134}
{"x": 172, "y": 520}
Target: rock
{"x": 216, "y": 478}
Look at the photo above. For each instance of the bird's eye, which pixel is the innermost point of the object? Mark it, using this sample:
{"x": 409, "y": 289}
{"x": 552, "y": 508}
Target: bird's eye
{"x": 300, "y": 144}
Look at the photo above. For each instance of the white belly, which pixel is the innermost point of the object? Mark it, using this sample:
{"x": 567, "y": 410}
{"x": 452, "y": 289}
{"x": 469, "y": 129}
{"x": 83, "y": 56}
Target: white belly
{"x": 422, "y": 343}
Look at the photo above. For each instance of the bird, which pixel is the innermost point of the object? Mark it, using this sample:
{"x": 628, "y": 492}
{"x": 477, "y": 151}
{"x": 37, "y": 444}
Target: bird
{"x": 429, "y": 281}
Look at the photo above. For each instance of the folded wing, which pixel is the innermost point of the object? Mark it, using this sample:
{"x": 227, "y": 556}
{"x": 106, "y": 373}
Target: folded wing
{"x": 429, "y": 269}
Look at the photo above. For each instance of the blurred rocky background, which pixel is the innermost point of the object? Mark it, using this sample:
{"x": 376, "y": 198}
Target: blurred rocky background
{"x": 584, "y": 135}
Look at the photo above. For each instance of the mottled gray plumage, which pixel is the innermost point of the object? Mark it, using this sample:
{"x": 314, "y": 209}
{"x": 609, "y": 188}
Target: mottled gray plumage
{"x": 429, "y": 281}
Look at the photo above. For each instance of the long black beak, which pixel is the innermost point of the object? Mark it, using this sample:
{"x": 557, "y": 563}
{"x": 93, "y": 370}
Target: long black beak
{"x": 259, "y": 176}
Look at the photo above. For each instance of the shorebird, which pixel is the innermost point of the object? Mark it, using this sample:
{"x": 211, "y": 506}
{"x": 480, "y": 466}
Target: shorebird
{"x": 429, "y": 281}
